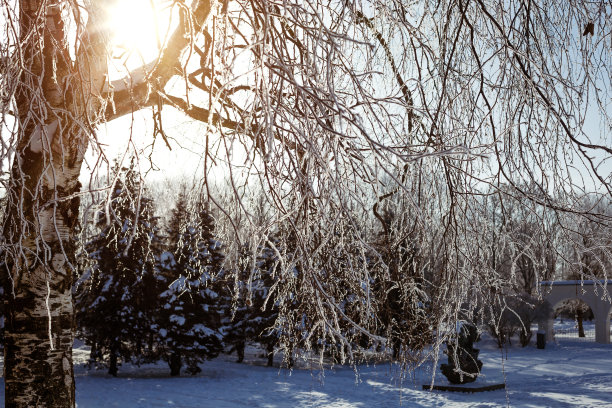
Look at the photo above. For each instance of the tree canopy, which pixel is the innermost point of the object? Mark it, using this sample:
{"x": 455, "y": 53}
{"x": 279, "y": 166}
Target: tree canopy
{"x": 337, "y": 113}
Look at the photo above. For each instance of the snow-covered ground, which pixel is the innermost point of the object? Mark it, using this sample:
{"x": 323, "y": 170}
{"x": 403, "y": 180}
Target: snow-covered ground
{"x": 568, "y": 374}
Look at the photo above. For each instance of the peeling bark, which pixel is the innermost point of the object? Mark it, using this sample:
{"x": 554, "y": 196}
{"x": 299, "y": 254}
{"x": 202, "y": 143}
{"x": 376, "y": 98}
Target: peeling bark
{"x": 39, "y": 321}
{"x": 59, "y": 101}
{"x": 53, "y": 109}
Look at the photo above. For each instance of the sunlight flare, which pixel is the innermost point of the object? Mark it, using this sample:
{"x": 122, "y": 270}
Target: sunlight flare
{"x": 135, "y": 27}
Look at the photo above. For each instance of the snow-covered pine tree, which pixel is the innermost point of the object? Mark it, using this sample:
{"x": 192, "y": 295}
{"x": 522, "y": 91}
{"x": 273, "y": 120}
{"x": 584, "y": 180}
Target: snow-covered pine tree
{"x": 253, "y": 315}
{"x": 298, "y": 297}
{"x": 399, "y": 285}
{"x": 189, "y": 320}
{"x": 116, "y": 295}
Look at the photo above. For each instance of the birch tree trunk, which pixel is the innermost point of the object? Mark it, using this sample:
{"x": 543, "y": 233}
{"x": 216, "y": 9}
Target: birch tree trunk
{"x": 39, "y": 325}
{"x": 60, "y": 97}
{"x": 54, "y": 102}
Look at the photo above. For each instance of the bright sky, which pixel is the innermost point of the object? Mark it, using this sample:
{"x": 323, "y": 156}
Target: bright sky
{"x": 139, "y": 26}
{"x": 134, "y": 134}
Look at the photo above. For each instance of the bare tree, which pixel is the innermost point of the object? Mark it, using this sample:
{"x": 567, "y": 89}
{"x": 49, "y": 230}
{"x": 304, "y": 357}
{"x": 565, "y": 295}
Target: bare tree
{"x": 333, "y": 107}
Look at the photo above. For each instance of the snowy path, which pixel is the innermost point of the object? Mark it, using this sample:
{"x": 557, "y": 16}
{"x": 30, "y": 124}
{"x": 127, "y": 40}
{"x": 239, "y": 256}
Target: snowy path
{"x": 569, "y": 375}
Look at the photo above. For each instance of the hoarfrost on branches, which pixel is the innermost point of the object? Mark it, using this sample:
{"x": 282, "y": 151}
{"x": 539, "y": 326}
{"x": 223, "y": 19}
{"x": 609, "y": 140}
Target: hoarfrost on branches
{"x": 372, "y": 150}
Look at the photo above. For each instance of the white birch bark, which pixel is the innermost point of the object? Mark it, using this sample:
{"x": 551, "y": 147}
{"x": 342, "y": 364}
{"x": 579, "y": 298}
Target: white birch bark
{"x": 57, "y": 107}
{"x": 60, "y": 100}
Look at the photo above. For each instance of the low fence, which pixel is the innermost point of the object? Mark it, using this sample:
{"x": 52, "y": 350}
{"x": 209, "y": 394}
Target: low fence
{"x": 569, "y": 331}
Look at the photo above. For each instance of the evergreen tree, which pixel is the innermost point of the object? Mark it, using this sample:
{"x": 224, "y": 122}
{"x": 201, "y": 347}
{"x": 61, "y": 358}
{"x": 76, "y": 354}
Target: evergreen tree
{"x": 399, "y": 284}
{"x": 116, "y": 296}
{"x": 254, "y": 313}
{"x": 188, "y": 322}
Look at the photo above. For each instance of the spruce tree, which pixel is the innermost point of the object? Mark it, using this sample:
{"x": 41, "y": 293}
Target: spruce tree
{"x": 116, "y": 296}
{"x": 188, "y": 322}
{"x": 399, "y": 285}
{"x": 253, "y": 315}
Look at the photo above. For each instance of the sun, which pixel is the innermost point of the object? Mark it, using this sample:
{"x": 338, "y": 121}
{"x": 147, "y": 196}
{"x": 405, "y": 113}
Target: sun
{"x": 135, "y": 29}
